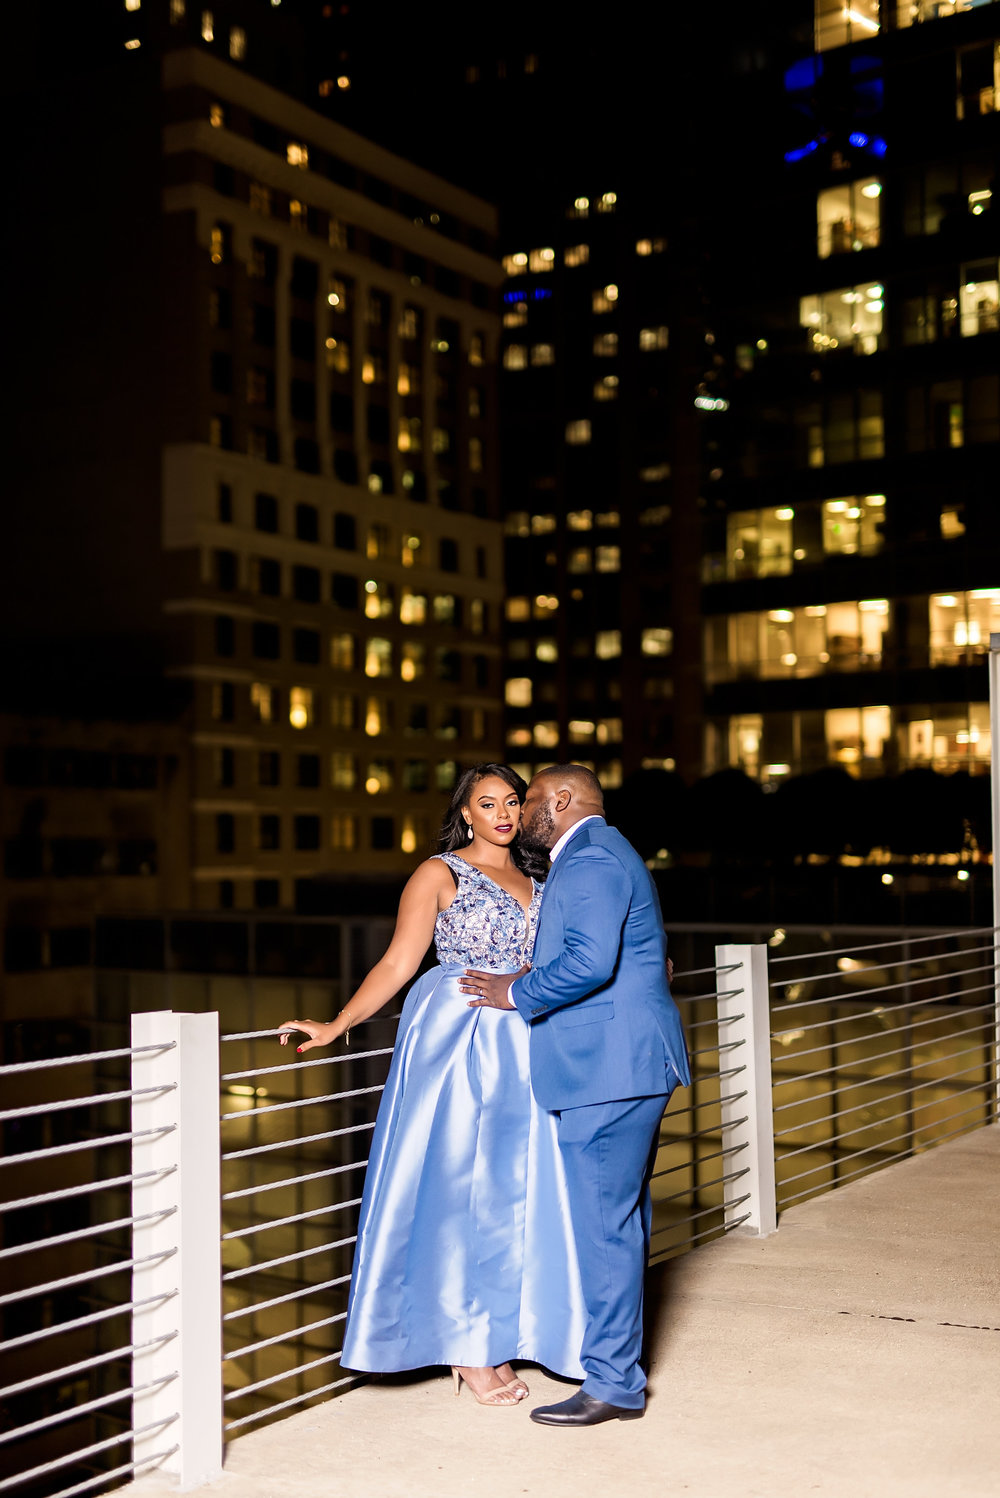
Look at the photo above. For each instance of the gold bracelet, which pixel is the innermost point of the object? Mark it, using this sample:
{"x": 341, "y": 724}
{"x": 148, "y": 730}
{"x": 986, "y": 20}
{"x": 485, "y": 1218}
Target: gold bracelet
{"x": 347, "y": 1032}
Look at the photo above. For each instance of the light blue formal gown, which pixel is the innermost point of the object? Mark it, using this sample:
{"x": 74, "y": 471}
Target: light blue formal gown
{"x": 465, "y": 1250}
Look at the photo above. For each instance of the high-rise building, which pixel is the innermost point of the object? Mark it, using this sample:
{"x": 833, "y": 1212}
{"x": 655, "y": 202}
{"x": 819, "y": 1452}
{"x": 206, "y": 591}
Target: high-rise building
{"x": 852, "y": 575}
{"x": 257, "y": 452}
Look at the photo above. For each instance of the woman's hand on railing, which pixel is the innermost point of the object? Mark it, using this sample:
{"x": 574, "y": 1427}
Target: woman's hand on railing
{"x": 318, "y": 1032}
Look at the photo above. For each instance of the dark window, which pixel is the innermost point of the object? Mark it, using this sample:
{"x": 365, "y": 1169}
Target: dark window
{"x": 306, "y": 522}
{"x": 380, "y": 249}
{"x": 220, "y": 432}
{"x": 307, "y": 771}
{"x": 446, "y": 281}
{"x": 448, "y": 555}
{"x": 478, "y": 294}
{"x": 225, "y": 635}
{"x": 268, "y": 767}
{"x": 378, "y": 424}
{"x": 378, "y": 190}
{"x": 265, "y": 512}
{"x": 264, "y": 133}
{"x": 447, "y": 332}
{"x": 480, "y": 561}
{"x": 345, "y": 531}
{"x": 24, "y": 858}
{"x": 416, "y": 719}
{"x": 447, "y": 495}
{"x": 417, "y": 489}
{"x": 264, "y": 444}
{"x": 262, "y": 325}
{"x": 480, "y": 503}
{"x": 223, "y": 702}
{"x": 223, "y": 179}
{"x": 225, "y": 766}
{"x": 303, "y": 400}
{"x": 449, "y": 723}
{"x": 23, "y": 766}
{"x": 225, "y": 832}
{"x": 227, "y": 894}
{"x": 22, "y": 949}
{"x": 135, "y": 772}
{"x": 383, "y": 473}
{"x": 345, "y": 466}
{"x": 306, "y": 833}
{"x": 269, "y": 832}
{"x": 383, "y": 834}
{"x": 220, "y": 309}
{"x": 344, "y": 590}
{"x": 266, "y": 893}
{"x": 481, "y": 670}
{"x": 306, "y": 455}
{"x": 415, "y": 265}
{"x": 137, "y": 856}
{"x": 268, "y": 577}
{"x": 306, "y": 584}
{"x": 416, "y": 775}
{"x": 305, "y": 277}
{"x": 69, "y": 946}
{"x": 263, "y": 261}
{"x": 305, "y": 646}
{"x": 225, "y": 570}
{"x": 265, "y": 640}
{"x": 224, "y": 504}
{"x": 447, "y": 665}
{"x": 341, "y": 412}
{"x": 302, "y": 338}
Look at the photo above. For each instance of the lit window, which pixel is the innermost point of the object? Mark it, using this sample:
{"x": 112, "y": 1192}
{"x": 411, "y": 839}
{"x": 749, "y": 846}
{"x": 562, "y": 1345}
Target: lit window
{"x": 262, "y": 702}
{"x": 343, "y": 771}
{"x": 518, "y": 609}
{"x": 608, "y": 644}
{"x": 298, "y": 215}
{"x": 838, "y": 24}
{"x": 207, "y": 26}
{"x": 412, "y": 834}
{"x": 580, "y": 520}
{"x": 653, "y": 338}
{"x": 342, "y": 648}
{"x": 178, "y": 9}
{"x": 609, "y": 519}
{"x": 605, "y": 298}
{"x": 609, "y": 730}
{"x": 343, "y": 710}
{"x": 413, "y": 661}
{"x": 237, "y": 43}
{"x": 260, "y": 199}
{"x": 578, "y": 432}
{"x": 979, "y": 202}
{"x": 377, "y": 716}
{"x": 518, "y": 523}
{"x": 519, "y": 737}
{"x": 343, "y": 832}
{"x": 219, "y": 244}
{"x": 217, "y": 115}
{"x": 408, "y": 379}
{"x": 409, "y": 323}
{"x": 410, "y": 553}
{"x": 546, "y": 650}
{"x": 443, "y": 608}
{"x": 338, "y": 355}
{"x": 517, "y": 692}
{"x": 759, "y": 542}
{"x": 580, "y": 208}
{"x": 543, "y": 353}
{"x": 475, "y": 455}
{"x": 961, "y": 625}
{"x": 605, "y": 345}
{"x": 544, "y": 605}
{"x": 978, "y": 78}
{"x": 441, "y": 440}
{"x": 606, "y": 389}
{"x": 657, "y": 641}
{"x": 847, "y": 318}
{"x": 336, "y": 293}
{"x": 515, "y": 356}
{"x": 515, "y": 264}
{"x": 412, "y": 608}
{"x": 300, "y": 707}
{"x": 372, "y": 369}
{"x": 298, "y": 154}
{"x": 326, "y": 88}
{"x": 477, "y": 350}
{"x": 343, "y": 82}
{"x": 546, "y": 735}
{"x": 515, "y": 315}
{"x": 543, "y": 525}
{"x": 979, "y": 299}
{"x": 577, "y": 254}
{"x": 378, "y": 777}
{"x": 541, "y": 260}
{"x": 581, "y": 731}
{"x": 848, "y": 217}
{"x": 132, "y": 44}
{"x": 854, "y": 525}
{"x": 408, "y": 436}
{"x": 378, "y": 657}
{"x": 952, "y": 522}
{"x": 606, "y": 202}
{"x": 657, "y": 473}
{"x": 608, "y": 558}
{"x": 579, "y": 560}
{"x": 650, "y": 246}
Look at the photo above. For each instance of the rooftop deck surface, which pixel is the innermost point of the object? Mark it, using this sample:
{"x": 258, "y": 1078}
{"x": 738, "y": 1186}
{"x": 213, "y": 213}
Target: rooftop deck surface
{"x": 853, "y": 1354}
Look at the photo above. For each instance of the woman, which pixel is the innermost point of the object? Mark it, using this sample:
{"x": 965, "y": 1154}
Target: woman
{"x": 465, "y": 1252}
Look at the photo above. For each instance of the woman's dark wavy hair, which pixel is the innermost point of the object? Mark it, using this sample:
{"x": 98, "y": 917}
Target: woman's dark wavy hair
{"x": 454, "y": 833}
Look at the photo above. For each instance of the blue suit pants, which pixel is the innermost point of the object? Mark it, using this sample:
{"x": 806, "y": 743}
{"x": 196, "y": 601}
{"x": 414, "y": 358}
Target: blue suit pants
{"x": 608, "y": 1150}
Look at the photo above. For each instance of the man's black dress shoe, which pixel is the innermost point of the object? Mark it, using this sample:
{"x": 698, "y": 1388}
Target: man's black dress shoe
{"x": 581, "y": 1409}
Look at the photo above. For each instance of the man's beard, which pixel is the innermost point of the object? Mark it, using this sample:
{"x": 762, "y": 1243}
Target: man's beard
{"x": 539, "y": 831}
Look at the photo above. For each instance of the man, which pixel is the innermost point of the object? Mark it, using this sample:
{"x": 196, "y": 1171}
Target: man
{"x": 607, "y": 1050}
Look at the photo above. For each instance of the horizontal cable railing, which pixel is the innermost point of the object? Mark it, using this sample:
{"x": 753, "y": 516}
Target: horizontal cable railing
{"x": 880, "y": 1051}
{"x": 67, "y": 1180}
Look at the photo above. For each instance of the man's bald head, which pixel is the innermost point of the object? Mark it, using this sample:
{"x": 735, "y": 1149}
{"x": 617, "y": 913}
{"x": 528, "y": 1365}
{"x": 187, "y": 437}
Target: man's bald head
{"x": 559, "y": 797}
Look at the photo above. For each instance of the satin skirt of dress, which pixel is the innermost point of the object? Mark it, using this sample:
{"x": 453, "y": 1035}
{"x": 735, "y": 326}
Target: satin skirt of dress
{"x": 465, "y": 1250}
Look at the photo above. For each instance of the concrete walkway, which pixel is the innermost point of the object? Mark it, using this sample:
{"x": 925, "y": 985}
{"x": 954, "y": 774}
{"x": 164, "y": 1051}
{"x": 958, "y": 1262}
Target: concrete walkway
{"x": 854, "y": 1354}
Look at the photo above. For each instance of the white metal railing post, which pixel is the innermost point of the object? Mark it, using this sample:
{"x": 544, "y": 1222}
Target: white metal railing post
{"x": 995, "y": 810}
{"x": 184, "y": 1327}
{"x": 744, "y": 1015}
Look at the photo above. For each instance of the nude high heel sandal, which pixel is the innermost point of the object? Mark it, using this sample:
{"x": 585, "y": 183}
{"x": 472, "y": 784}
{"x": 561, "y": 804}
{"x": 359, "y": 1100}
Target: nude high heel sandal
{"x": 504, "y": 1396}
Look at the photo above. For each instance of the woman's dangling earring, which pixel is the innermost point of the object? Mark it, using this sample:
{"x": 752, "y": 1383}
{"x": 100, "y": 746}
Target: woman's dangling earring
{"x": 471, "y": 833}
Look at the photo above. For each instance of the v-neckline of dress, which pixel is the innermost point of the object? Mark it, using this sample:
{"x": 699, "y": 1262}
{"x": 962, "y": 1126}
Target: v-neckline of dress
{"x": 525, "y": 909}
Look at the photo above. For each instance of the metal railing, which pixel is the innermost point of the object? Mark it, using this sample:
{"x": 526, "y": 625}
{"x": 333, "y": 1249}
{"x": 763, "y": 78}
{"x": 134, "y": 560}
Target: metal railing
{"x": 880, "y": 1050}
{"x": 50, "y": 1318}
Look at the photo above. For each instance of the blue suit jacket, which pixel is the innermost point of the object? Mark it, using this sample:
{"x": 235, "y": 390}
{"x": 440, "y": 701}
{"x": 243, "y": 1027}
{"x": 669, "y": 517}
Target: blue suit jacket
{"x": 603, "y": 1023}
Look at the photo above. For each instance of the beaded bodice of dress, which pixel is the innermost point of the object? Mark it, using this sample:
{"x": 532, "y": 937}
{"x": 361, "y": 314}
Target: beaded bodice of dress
{"x": 484, "y": 926}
